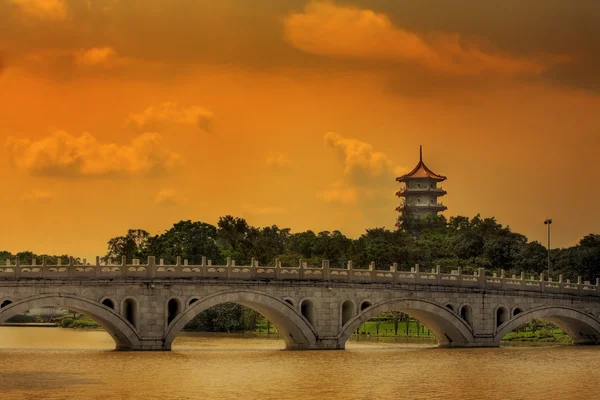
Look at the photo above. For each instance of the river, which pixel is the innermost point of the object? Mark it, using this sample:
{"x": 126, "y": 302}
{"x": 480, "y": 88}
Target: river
{"x": 55, "y": 363}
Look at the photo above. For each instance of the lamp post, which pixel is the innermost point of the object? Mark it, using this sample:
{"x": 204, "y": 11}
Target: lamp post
{"x": 548, "y": 222}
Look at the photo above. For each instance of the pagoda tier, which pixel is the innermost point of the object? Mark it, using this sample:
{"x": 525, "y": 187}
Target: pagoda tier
{"x": 421, "y": 172}
{"x": 425, "y": 207}
{"x": 405, "y": 192}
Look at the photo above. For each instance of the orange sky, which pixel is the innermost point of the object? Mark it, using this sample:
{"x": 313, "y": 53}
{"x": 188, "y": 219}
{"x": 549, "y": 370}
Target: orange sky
{"x": 118, "y": 114}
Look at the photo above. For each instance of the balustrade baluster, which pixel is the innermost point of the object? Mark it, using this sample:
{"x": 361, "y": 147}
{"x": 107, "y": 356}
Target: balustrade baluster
{"x": 151, "y": 268}
{"x": 123, "y": 267}
{"x": 325, "y": 267}
{"x": 71, "y": 268}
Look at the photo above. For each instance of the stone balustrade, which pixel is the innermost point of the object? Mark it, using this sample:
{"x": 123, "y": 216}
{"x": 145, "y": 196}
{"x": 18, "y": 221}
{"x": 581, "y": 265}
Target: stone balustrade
{"x": 13, "y": 270}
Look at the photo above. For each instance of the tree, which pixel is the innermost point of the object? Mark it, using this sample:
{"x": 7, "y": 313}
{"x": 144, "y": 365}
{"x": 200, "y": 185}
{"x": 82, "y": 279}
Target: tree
{"x": 190, "y": 240}
{"x": 303, "y": 243}
{"x": 332, "y": 246}
{"x": 383, "y": 246}
{"x": 132, "y": 245}
{"x": 232, "y": 231}
{"x": 532, "y": 258}
{"x": 264, "y": 244}
{"x": 589, "y": 248}
{"x": 408, "y": 220}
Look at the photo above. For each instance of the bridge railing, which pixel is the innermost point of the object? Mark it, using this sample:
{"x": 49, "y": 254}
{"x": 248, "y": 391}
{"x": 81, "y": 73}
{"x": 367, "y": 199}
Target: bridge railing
{"x": 14, "y": 270}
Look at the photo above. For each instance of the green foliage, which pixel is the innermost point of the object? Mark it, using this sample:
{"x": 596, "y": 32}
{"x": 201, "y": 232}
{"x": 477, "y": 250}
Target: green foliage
{"x": 131, "y": 245}
{"x": 23, "y": 318}
{"x": 80, "y": 322}
{"x": 538, "y": 330}
{"x": 227, "y": 317}
{"x": 190, "y": 240}
{"x": 25, "y": 257}
{"x": 382, "y": 327}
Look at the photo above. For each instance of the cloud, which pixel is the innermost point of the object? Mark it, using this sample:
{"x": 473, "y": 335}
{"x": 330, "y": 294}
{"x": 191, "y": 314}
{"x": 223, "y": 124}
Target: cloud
{"x": 154, "y": 119}
{"x": 362, "y": 164}
{"x": 65, "y": 155}
{"x": 37, "y": 196}
{"x": 366, "y": 173}
{"x": 263, "y": 210}
{"x": 52, "y": 10}
{"x": 67, "y": 64}
{"x": 278, "y": 160}
{"x": 339, "y": 193}
{"x": 167, "y": 197}
{"x": 98, "y": 56}
{"x": 343, "y": 31}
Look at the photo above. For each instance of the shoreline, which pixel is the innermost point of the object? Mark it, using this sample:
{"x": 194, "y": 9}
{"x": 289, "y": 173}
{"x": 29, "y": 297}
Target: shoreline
{"x": 264, "y": 335}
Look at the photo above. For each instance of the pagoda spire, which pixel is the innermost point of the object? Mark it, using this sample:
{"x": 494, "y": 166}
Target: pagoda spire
{"x": 420, "y": 153}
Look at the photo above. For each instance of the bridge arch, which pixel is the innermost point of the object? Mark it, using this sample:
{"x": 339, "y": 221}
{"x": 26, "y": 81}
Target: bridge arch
{"x": 516, "y": 311}
{"x": 449, "y": 329}
{"x": 501, "y": 315}
{"x": 5, "y": 302}
{"x": 582, "y": 327}
{"x": 347, "y": 311}
{"x": 130, "y": 310}
{"x": 173, "y": 307}
{"x": 290, "y": 301}
{"x": 109, "y": 302}
{"x": 364, "y": 304}
{"x": 465, "y": 311}
{"x": 294, "y": 328}
{"x": 123, "y": 333}
{"x": 308, "y": 310}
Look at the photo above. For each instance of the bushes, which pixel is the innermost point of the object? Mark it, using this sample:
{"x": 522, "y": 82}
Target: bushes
{"x": 23, "y": 319}
{"x": 540, "y": 335}
{"x": 83, "y": 322}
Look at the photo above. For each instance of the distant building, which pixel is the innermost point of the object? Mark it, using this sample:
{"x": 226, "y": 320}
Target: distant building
{"x": 420, "y": 190}
{"x": 48, "y": 311}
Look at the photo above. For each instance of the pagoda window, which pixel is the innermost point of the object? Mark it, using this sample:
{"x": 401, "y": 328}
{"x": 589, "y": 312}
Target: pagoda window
{"x": 418, "y": 200}
{"x": 419, "y": 185}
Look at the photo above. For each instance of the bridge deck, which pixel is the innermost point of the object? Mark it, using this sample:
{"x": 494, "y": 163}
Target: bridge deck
{"x": 230, "y": 271}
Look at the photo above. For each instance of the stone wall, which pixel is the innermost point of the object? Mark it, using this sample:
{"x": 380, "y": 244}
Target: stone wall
{"x": 308, "y": 313}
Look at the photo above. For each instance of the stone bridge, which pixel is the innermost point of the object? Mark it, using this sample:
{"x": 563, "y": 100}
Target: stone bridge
{"x": 144, "y": 306}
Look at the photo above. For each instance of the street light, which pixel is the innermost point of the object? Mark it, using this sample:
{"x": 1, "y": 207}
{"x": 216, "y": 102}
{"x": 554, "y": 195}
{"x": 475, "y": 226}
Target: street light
{"x": 548, "y": 222}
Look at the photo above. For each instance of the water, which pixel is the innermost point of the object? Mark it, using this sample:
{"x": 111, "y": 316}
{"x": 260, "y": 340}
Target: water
{"x": 54, "y": 363}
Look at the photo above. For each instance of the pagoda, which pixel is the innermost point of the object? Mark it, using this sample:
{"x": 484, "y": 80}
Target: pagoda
{"x": 420, "y": 190}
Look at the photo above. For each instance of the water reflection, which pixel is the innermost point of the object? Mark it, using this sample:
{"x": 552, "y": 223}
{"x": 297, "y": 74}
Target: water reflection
{"x": 240, "y": 368}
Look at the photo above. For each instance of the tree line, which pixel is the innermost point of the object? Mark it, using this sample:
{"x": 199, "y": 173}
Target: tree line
{"x": 469, "y": 243}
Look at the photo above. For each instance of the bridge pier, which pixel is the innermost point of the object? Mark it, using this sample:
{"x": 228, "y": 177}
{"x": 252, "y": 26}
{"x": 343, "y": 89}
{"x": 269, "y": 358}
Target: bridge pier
{"x": 329, "y": 344}
{"x": 322, "y": 344}
{"x": 486, "y": 341}
{"x": 148, "y": 344}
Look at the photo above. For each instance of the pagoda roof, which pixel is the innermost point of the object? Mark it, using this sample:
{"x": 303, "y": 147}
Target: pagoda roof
{"x": 421, "y": 172}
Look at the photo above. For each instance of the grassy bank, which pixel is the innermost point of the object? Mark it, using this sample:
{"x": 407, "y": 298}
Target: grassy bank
{"x": 387, "y": 328}
{"x": 81, "y": 322}
{"x": 541, "y": 335}
{"x": 535, "y": 332}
